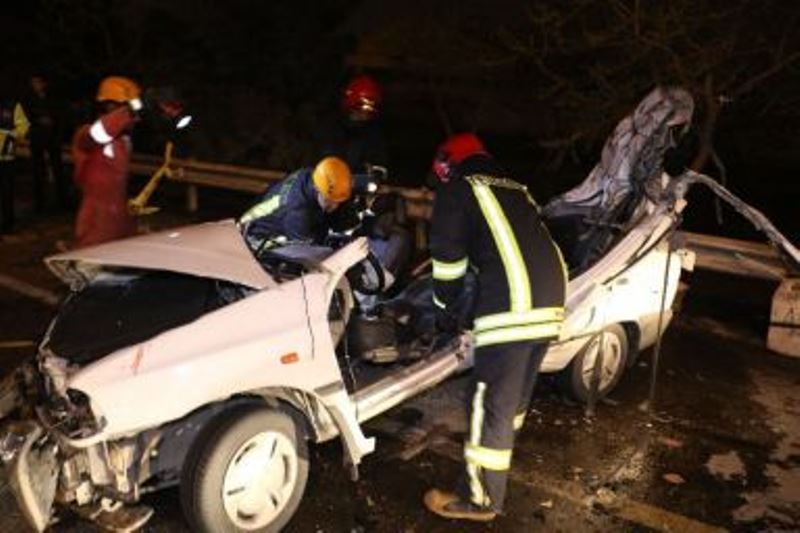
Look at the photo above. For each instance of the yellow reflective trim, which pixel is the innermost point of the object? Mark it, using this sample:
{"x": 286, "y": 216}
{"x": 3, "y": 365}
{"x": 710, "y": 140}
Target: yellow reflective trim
{"x": 449, "y": 271}
{"x": 478, "y": 492}
{"x": 488, "y": 458}
{"x": 21, "y": 123}
{"x": 518, "y": 283}
{"x": 517, "y": 333}
{"x": 519, "y": 318}
{"x": 261, "y": 209}
{"x": 438, "y": 303}
{"x": 519, "y": 421}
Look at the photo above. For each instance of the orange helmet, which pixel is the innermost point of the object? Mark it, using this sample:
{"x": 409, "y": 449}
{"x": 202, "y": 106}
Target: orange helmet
{"x": 332, "y": 178}
{"x": 117, "y": 89}
{"x": 362, "y": 96}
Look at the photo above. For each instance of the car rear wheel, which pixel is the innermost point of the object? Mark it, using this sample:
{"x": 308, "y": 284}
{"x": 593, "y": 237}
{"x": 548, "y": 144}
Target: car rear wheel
{"x": 576, "y": 379}
{"x": 248, "y": 473}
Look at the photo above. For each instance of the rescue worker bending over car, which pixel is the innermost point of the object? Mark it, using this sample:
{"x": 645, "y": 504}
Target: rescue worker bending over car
{"x": 486, "y": 221}
{"x": 296, "y": 208}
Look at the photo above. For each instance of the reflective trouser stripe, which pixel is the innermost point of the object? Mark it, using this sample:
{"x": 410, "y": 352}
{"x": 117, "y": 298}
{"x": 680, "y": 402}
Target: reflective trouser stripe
{"x": 519, "y": 421}
{"x": 518, "y": 283}
{"x": 519, "y": 318}
{"x": 488, "y": 458}
{"x": 479, "y": 496}
{"x": 449, "y": 271}
{"x": 438, "y": 303}
{"x": 261, "y": 209}
{"x": 518, "y": 333}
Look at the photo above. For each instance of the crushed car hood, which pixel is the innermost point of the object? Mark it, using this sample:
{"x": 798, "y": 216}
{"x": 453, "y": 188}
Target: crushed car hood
{"x": 214, "y": 250}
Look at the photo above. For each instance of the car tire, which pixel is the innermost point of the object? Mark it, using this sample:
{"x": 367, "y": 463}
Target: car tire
{"x": 575, "y": 379}
{"x": 219, "y": 490}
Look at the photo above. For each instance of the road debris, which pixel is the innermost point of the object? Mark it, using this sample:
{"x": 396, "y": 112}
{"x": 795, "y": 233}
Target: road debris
{"x": 726, "y": 465}
{"x": 675, "y": 479}
{"x": 606, "y": 498}
{"x": 670, "y": 442}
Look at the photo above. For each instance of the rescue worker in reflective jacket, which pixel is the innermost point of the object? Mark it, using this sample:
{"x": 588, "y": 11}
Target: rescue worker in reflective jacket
{"x": 13, "y": 128}
{"x": 101, "y": 152}
{"x": 483, "y": 220}
{"x": 355, "y": 134}
{"x": 296, "y": 208}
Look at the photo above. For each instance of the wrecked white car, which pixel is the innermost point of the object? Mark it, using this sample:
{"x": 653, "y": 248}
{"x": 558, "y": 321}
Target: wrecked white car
{"x": 178, "y": 358}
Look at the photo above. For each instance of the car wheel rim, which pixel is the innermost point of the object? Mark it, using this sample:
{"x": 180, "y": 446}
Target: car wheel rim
{"x": 612, "y": 360}
{"x": 260, "y": 480}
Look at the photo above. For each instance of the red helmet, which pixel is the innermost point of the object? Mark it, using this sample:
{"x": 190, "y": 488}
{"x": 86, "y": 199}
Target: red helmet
{"x": 453, "y": 151}
{"x": 362, "y": 97}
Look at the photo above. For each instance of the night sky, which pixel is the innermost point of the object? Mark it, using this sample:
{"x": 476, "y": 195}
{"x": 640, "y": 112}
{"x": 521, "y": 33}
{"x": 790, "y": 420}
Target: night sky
{"x": 543, "y": 82}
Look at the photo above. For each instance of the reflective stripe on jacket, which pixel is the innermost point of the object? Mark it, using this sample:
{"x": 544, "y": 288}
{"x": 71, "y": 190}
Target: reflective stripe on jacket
{"x": 11, "y": 130}
{"x": 288, "y": 211}
{"x": 101, "y": 153}
{"x": 493, "y": 225}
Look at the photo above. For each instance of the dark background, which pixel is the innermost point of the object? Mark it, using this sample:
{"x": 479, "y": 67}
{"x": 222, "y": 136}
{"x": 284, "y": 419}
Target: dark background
{"x": 543, "y": 82}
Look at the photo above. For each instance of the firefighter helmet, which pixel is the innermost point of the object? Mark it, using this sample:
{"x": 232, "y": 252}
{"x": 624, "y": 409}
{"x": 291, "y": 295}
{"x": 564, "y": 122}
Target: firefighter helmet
{"x": 332, "y": 178}
{"x": 453, "y": 151}
{"x": 117, "y": 89}
{"x": 362, "y": 97}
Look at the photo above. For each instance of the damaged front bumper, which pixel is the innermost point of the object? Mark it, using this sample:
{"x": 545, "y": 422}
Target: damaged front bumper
{"x": 31, "y": 460}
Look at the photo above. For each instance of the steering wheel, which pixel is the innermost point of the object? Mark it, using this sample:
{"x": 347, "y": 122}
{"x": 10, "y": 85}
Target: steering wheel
{"x": 367, "y": 277}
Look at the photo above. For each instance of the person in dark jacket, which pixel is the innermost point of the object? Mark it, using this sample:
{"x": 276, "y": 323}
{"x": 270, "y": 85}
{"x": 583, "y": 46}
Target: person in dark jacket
{"x": 355, "y": 135}
{"x": 296, "y": 208}
{"x": 486, "y": 221}
{"x": 46, "y": 133}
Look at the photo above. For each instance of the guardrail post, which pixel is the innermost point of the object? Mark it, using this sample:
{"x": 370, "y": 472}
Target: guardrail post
{"x": 192, "y": 198}
{"x": 421, "y": 235}
{"x": 784, "y": 329}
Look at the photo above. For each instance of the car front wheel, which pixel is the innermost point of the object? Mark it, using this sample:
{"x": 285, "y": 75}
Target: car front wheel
{"x": 248, "y": 473}
{"x": 576, "y": 379}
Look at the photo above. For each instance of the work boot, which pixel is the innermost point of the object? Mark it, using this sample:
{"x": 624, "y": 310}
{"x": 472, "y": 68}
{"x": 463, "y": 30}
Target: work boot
{"x": 449, "y": 505}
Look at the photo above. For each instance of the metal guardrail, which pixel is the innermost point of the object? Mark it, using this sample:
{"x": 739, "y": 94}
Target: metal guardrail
{"x": 196, "y": 173}
{"x": 735, "y": 256}
{"x": 713, "y": 253}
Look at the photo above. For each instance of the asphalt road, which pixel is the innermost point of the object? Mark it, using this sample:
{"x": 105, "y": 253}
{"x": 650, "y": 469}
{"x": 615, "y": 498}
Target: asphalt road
{"x": 722, "y": 451}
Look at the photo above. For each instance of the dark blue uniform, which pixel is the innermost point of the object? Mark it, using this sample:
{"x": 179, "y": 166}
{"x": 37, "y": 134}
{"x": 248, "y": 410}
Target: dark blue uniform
{"x": 490, "y": 223}
{"x": 288, "y": 211}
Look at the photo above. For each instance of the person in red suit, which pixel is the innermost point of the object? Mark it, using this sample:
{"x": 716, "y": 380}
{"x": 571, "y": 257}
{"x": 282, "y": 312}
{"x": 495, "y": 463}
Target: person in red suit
{"x": 101, "y": 152}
